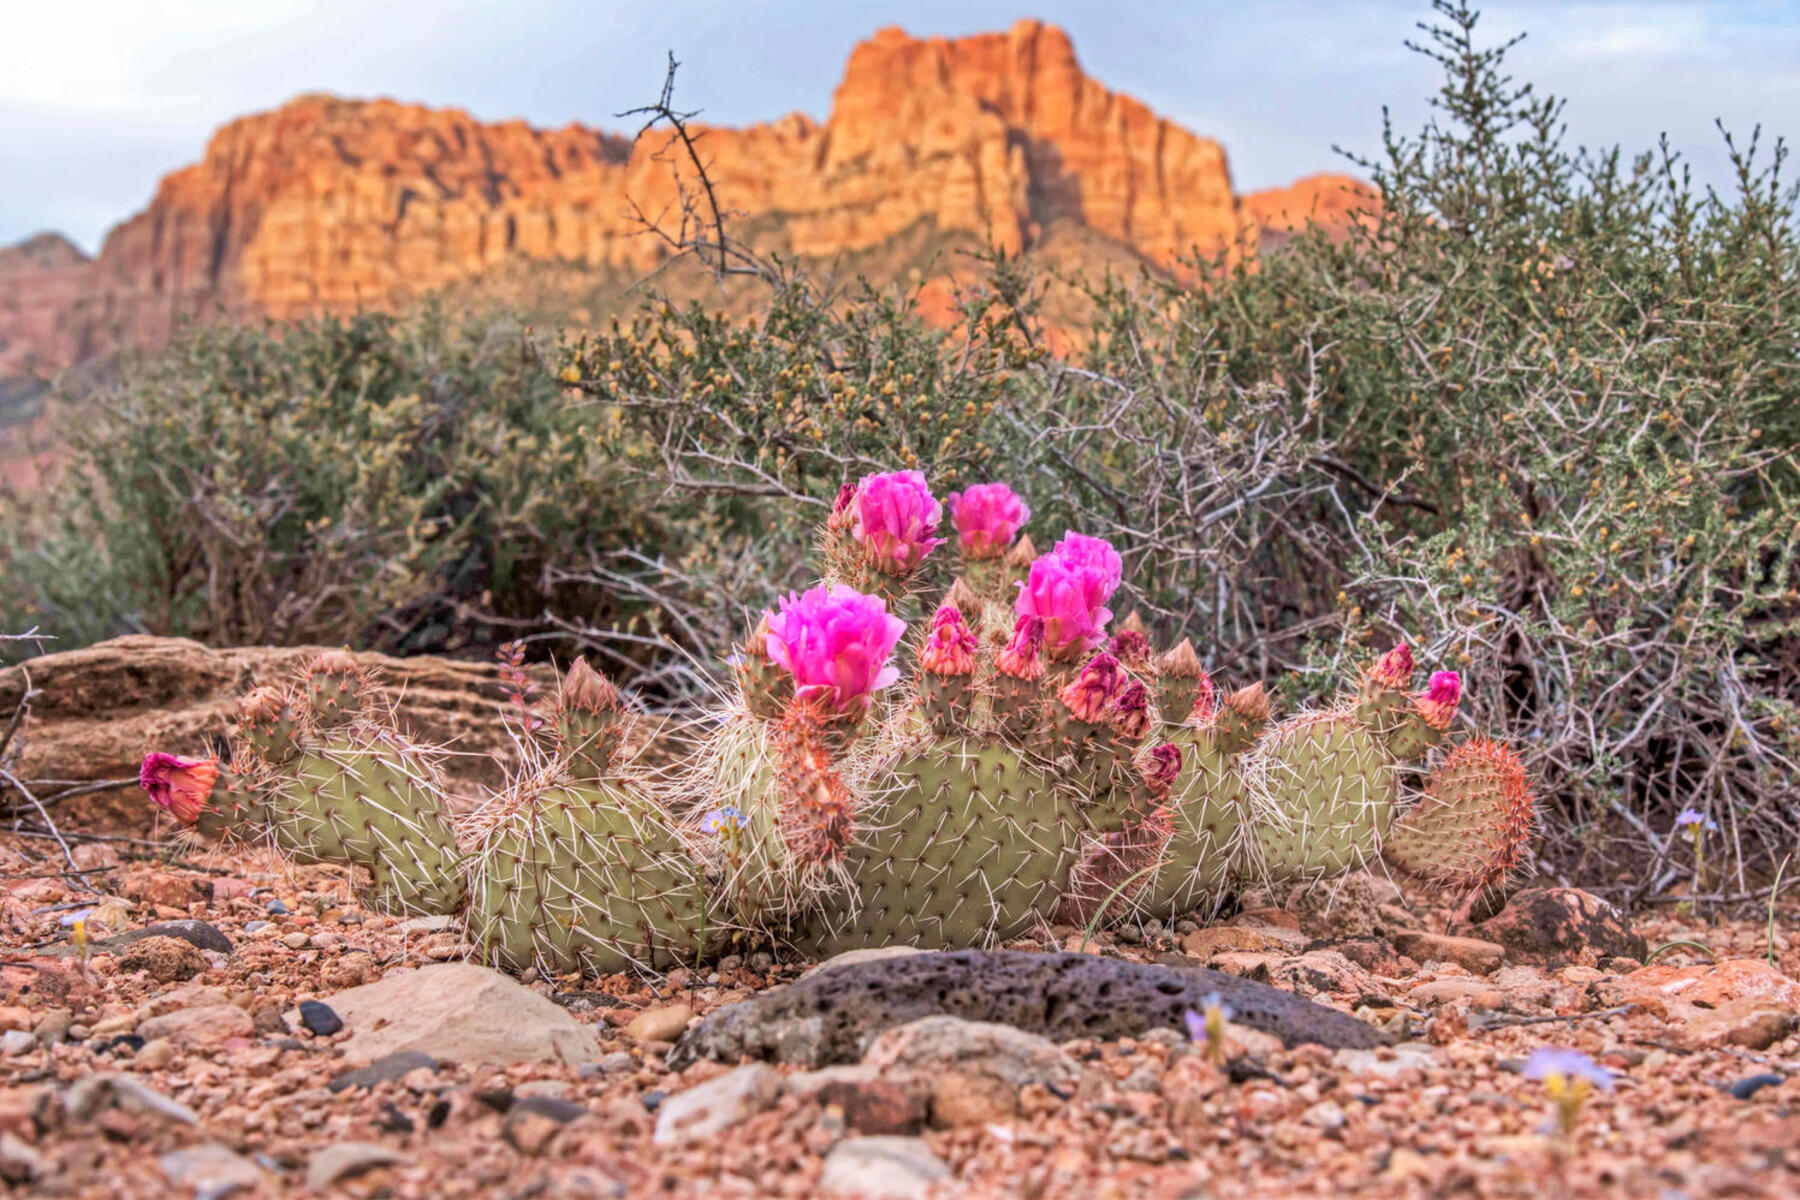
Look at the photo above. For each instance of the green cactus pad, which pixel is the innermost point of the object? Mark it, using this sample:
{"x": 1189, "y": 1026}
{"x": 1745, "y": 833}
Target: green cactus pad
{"x": 971, "y": 847}
{"x": 366, "y": 796}
{"x": 591, "y": 877}
{"x": 1321, "y": 788}
{"x": 1206, "y": 810}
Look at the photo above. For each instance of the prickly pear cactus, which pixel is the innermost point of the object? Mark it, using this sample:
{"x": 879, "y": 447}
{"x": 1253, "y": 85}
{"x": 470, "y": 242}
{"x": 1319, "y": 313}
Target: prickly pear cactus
{"x": 1035, "y": 770}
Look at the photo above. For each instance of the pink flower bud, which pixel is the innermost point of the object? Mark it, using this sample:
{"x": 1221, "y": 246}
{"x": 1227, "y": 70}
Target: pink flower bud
{"x": 836, "y": 645}
{"x": 988, "y": 517}
{"x": 1020, "y": 660}
{"x": 843, "y": 512}
{"x": 1395, "y": 668}
{"x": 1090, "y": 694}
{"x": 950, "y": 648}
{"x": 181, "y": 786}
{"x": 1206, "y": 701}
{"x": 896, "y": 520}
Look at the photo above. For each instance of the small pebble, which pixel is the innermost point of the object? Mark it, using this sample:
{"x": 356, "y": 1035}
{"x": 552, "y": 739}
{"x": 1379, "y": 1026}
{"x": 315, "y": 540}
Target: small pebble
{"x": 295, "y": 941}
{"x": 276, "y": 908}
{"x": 318, "y": 1016}
{"x": 16, "y": 1042}
{"x": 653, "y": 1099}
{"x": 254, "y": 926}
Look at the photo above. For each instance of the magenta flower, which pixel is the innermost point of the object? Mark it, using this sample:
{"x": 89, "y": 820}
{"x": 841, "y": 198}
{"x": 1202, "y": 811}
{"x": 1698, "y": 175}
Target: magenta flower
{"x": 1019, "y": 660}
{"x": 1095, "y": 554}
{"x": 181, "y": 786}
{"x": 988, "y": 517}
{"x": 1069, "y": 588}
{"x": 1437, "y": 704}
{"x": 896, "y": 520}
{"x": 836, "y": 644}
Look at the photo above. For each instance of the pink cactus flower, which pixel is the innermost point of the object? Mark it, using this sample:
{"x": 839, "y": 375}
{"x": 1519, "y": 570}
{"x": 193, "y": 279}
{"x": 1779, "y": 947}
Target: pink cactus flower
{"x": 950, "y": 648}
{"x": 1395, "y": 668}
{"x": 1069, "y": 588}
{"x": 1095, "y": 554}
{"x": 180, "y": 786}
{"x": 1020, "y": 659}
{"x": 836, "y": 644}
{"x": 1437, "y": 704}
{"x": 1090, "y": 694}
{"x": 1131, "y": 648}
{"x": 896, "y": 521}
{"x": 988, "y": 517}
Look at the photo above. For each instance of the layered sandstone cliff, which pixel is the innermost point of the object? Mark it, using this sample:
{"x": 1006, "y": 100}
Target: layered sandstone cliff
{"x": 330, "y": 203}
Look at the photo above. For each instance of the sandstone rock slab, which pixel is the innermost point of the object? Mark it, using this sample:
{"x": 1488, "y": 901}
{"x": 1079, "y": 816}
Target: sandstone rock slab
{"x": 459, "y": 1012}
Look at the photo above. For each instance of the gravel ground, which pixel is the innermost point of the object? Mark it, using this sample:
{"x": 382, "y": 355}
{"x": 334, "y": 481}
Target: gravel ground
{"x": 1447, "y": 1114}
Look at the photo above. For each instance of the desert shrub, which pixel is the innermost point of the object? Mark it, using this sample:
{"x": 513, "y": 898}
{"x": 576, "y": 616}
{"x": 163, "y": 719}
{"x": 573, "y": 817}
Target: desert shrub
{"x": 375, "y": 480}
{"x": 1540, "y": 410}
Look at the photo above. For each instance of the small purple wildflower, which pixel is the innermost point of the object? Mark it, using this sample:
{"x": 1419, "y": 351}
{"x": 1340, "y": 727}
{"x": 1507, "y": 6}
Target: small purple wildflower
{"x": 1207, "y": 1026}
{"x": 1568, "y": 1076}
{"x": 1693, "y": 818}
{"x": 719, "y": 818}
{"x": 1551, "y": 1063}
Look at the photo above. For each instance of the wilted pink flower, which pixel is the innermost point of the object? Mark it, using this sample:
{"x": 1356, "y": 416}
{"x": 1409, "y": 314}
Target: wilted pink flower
{"x": 1069, "y": 588}
{"x": 1162, "y": 765}
{"x": 1091, "y": 693}
{"x": 836, "y": 644}
{"x": 988, "y": 517}
{"x": 950, "y": 648}
{"x": 181, "y": 786}
{"x": 1131, "y": 711}
{"x": 1395, "y": 668}
{"x": 1131, "y": 648}
{"x": 1206, "y": 702}
{"x": 896, "y": 520}
{"x": 1438, "y": 702}
{"x": 1019, "y": 660}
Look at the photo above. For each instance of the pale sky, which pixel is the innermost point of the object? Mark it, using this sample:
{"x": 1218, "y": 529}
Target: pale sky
{"x": 99, "y": 98}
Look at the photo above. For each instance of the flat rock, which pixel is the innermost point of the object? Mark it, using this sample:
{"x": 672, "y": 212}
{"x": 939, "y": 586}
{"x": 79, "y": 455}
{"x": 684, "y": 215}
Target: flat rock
{"x": 973, "y": 1070}
{"x": 1204, "y": 944}
{"x": 382, "y": 1070}
{"x": 90, "y": 1095}
{"x": 717, "y": 1104}
{"x": 1686, "y": 990}
{"x": 209, "y": 1169}
{"x": 1471, "y": 954}
{"x": 834, "y": 1016}
{"x": 345, "y": 1159}
{"x": 208, "y": 1026}
{"x": 100, "y": 707}
{"x": 1554, "y": 926}
{"x": 661, "y": 1024}
{"x": 1752, "y": 1024}
{"x": 866, "y": 954}
{"x": 459, "y": 1012}
{"x": 881, "y": 1168}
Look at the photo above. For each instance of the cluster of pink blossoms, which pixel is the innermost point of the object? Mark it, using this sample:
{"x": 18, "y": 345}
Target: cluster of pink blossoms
{"x": 836, "y": 643}
{"x": 1069, "y": 588}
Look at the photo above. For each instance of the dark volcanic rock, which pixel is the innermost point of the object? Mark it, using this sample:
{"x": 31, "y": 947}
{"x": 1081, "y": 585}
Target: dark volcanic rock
{"x": 198, "y": 934}
{"x": 831, "y": 1017}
